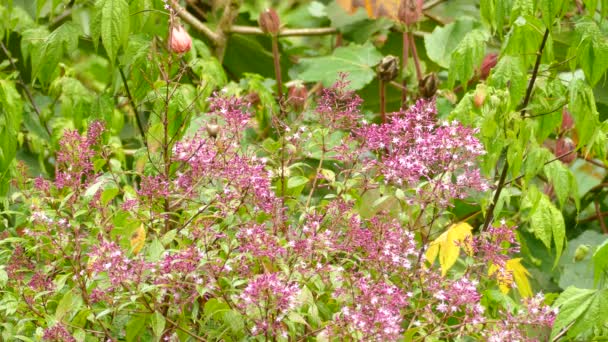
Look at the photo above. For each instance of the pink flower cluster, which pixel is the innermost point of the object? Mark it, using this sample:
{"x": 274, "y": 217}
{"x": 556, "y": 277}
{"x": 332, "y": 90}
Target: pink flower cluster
{"x": 257, "y": 241}
{"x": 272, "y": 298}
{"x": 108, "y": 258}
{"x": 338, "y": 108}
{"x": 74, "y": 158}
{"x": 58, "y": 333}
{"x": 376, "y": 311}
{"x": 414, "y": 148}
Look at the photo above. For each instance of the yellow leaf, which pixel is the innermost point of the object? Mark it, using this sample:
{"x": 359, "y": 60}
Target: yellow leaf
{"x": 447, "y": 245}
{"x": 138, "y": 239}
{"x": 519, "y": 274}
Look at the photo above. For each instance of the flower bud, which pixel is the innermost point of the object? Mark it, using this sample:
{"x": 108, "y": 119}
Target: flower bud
{"x": 180, "y": 40}
{"x": 479, "y": 97}
{"x": 428, "y": 85}
{"x": 410, "y": 11}
{"x": 563, "y": 146}
{"x": 388, "y": 68}
{"x": 567, "y": 120}
{"x": 489, "y": 61}
{"x": 297, "y": 95}
{"x": 269, "y": 22}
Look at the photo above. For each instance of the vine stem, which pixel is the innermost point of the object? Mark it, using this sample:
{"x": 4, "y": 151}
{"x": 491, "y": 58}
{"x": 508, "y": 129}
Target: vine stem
{"x": 524, "y": 105}
{"x": 404, "y": 59}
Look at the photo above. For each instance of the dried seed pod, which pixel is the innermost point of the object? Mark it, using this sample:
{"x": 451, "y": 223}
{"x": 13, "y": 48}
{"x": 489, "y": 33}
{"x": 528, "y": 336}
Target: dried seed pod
{"x": 180, "y": 40}
{"x": 269, "y": 22}
{"x": 428, "y": 85}
{"x": 388, "y": 68}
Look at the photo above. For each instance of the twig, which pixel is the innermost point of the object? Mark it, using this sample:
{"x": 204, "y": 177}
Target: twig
{"x": 134, "y": 107}
{"x": 600, "y": 217}
{"x": 524, "y": 105}
{"x": 547, "y": 162}
{"x": 594, "y": 162}
{"x": 195, "y": 23}
{"x": 252, "y": 30}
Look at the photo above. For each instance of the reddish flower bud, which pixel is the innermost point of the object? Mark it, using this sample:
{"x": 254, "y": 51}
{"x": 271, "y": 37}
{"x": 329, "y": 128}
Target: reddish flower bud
{"x": 180, "y": 40}
{"x": 479, "y": 97}
{"x": 297, "y": 95}
{"x": 410, "y": 11}
{"x": 269, "y": 22}
{"x": 563, "y": 146}
{"x": 567, "y": 120}
{"x": 488, "y": 63}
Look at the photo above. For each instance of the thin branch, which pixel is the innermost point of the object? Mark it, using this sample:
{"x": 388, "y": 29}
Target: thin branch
{"x": 195, "y": 23}
{"x": 252, "y": 30}
{"x": 547, "y": 162}
{"x": 600, "y": 217}
{"x": 134, "y": 107}
{"x": 524, "y": 105}
{"x": 594, "y": 162}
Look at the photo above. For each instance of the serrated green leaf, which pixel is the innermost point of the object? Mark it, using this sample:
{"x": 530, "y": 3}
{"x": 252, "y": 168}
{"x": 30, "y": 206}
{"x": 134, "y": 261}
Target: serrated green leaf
{"x": 547, "y": 223}
{"x": 592, "y": 50}
{"x": 550, "y": 10}
{"x": 45, "y": 61}
{"x": 296, "y": 181}
{"x": 583, "y": 109}
{"x": 467, "y": 57}
{"x": 355, "y": 60}
{"x": 600, "y": 262}
{"x": 561, "y": 178}
{"x": 112, "y": 16}
{"x": 580, "y": 310}
{"x": 510, "y": 73}
{"x": 524, "y": 39}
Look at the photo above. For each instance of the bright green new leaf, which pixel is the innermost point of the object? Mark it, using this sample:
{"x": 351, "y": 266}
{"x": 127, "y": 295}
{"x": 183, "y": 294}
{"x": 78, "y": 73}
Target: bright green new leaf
{"x": 550, "y": 10}
{"x": 583, "y": 109}
{"x": 355, "y": 60}
{"x": 547, "y": 223}
{"x": 592, "y": 50}
{"x": 467, "y": 57}
{"x": 510, "y": 73}
{"x": 562, "y": 180}
{"x": 600, "y": 262}
{"x": 441, "y": 43}
{"x": 580, "y": 310}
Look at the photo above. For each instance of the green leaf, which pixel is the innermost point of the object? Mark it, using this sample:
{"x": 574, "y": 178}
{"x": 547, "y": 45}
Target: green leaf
{"x": 600, "y": 262}
{"x": 583, "y": 109}
{"x": 535, "y": 161}
{"x": 135, "y": 327}
{"x": 550, "y": 9}
{"x": 70, "y": 302}
{"x": 441, "y": 43}
{"x": 547, "y": 222}
{"x": 592, "y": 50}
{"x": 562, "y": 180}
{"x": 510, "y": 72}
{"x": 46, "y": 57}
{"x": 355, "y": 60}
{"x": 580, "y": 310}
{"x": 296, "y": 181}
{"x": 524, "y": 39}
{"x": 158, "y": 323}
{"x": 467, "y": 57}
{"x": 112, "y": 16}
